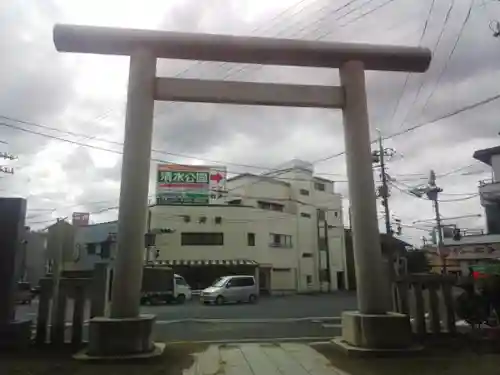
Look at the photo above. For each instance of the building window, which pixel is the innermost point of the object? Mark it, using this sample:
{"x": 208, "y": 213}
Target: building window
{"x": 319, "y": 186}
{"x": 336, "y": 213}
{"x": 321, "y": 215}
{"x": 202, "y": 239}
{"x": 234, "y": 202}
{"x": 305, "y": 214}
{"x": 309, "y": 279}
{"x": 91, "y": 249}
{"x": 307, "y": 255}
{"x": 270, "y": 206}
{"x": 280, "y": 240}
{"x": 251, "y": 239}
{"x": 322, "y": 244}
{"x": 105, "y": 249}
{"x": 304, "y": 192}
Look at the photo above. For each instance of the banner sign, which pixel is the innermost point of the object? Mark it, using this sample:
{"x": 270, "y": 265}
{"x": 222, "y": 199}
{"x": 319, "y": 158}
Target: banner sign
{"x": 189, "y": 184}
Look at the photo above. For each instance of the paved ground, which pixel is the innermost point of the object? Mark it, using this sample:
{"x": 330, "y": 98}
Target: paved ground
{"x": 261, "y": 359}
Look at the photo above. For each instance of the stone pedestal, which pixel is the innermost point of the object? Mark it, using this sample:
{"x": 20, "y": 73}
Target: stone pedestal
{"x": 365, "y": 334}
{"x": 110, "y": 337}
{"x": 15, "y": 334}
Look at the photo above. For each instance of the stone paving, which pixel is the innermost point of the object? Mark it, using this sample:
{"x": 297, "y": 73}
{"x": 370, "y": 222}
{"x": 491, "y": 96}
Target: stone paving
{"x": 261, "y": 359}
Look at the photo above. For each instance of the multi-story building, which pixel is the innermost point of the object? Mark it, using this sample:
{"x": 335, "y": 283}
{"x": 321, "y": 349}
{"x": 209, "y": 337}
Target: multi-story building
{"x": 283, "y": 227}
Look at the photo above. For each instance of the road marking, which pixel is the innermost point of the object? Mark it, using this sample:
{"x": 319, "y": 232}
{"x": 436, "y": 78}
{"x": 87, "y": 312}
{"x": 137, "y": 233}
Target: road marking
{"x": 270, "y": 320}
{"x": 312, "y": 339}
{"x": 235, "y": 321}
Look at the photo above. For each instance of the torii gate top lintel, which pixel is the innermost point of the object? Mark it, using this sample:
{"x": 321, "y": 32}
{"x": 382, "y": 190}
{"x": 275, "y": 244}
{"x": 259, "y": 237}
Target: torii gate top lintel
{"x": 238, "y": 49}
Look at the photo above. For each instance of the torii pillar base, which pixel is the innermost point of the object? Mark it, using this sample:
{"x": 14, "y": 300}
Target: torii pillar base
{"x": 366, "y": 335}
{"x": 121, "y": 339}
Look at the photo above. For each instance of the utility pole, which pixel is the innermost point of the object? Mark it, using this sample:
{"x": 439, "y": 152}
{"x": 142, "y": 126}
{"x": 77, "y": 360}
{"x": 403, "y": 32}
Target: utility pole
{"x": 383, "y": 192}
{"x": 432, "y": 191}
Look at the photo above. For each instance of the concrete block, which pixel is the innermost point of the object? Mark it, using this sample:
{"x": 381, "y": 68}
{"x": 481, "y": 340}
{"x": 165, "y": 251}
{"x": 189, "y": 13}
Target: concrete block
{"x": 116, "y": 337}
{"x": 359, "y": 352}
{"x": 387, "y": 331}
{"x": 15, "y": 334}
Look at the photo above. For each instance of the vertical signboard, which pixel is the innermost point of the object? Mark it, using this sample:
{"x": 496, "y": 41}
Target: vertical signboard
{"x": 189, "y": 184}
{"x": 80, "y": 218}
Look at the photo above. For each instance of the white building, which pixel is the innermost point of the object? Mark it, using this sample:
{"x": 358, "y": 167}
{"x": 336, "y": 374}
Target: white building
{"x": 286, "y": 223}
{"x": 284, "y": 227}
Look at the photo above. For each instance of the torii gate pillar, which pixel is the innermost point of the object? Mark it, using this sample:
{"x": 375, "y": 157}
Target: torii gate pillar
{"x": 127, "y": 332}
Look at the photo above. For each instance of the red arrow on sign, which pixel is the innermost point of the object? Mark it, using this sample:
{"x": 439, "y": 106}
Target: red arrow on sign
{"x": 216, "y": 177}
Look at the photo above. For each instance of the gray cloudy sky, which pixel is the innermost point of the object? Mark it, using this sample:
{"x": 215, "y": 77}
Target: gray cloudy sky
{"x": 80, "y": 98}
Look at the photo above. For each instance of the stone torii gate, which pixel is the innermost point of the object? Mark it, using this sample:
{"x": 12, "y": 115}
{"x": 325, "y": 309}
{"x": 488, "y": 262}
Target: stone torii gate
{"x": 127, "y": 332}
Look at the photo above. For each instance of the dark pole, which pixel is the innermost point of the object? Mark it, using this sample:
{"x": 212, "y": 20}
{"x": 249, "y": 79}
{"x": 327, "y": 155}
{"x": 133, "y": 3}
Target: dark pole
{"x": 148, "y": 250}
{"x": 328, "y": 270}
{"x": 318, "y": 234}
{"x": 385, "y": 189}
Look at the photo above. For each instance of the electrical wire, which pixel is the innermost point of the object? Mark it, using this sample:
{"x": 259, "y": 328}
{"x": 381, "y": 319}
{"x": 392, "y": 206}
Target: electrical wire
{"x": 422, "y": 124}
{"x": 100, "y": 148}
{"x": 265, "y": 26}
{"x": 407, "y": 78}
{"x": 422, "y": 81}
{"x": 448, "y": 59}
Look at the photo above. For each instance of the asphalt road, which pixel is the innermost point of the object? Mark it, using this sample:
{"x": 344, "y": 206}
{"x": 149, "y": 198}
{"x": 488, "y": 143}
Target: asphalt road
{"x": 287, "y": 307}
{"x": 220, "y": 331}
{"x": 310, "y": 317}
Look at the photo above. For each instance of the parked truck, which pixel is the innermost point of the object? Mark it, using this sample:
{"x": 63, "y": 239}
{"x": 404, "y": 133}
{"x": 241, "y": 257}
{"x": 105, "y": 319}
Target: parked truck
{"x": 162, "y": 285}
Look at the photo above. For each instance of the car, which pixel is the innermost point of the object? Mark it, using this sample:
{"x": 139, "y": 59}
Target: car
{"x": 231, "y": 289}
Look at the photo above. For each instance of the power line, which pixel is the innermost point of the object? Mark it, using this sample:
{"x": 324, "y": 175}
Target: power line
{"x": 265, "y": 26}
{"x": 405, "y": 84}
{"x": 422, "y": 81}
{"x": 449, "y": 58}
{"x": 336, "y": 10}
{"x": 422, "y": 124}
{"x": 30, "y": 123}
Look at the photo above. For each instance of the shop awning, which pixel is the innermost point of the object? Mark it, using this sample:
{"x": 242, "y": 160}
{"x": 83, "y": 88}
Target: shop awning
{"x": 202, "y": 263}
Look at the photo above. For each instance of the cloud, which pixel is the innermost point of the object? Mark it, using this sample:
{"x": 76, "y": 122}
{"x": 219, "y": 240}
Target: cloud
{"x": 86, "y": 94}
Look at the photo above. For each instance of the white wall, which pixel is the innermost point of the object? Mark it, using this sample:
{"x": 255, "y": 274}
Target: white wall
{"x": 495, "y": 165}
{"x": 236, "y": 223}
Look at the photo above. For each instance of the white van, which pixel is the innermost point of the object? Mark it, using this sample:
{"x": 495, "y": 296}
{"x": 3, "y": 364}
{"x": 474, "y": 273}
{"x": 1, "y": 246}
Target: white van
{"x": 231, "y": 289}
